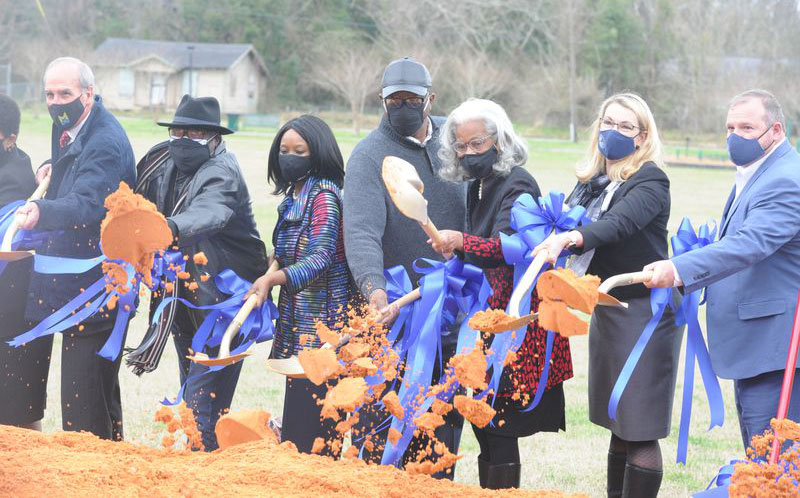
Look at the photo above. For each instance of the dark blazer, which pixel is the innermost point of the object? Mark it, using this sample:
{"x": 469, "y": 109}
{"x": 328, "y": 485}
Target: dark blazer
{"x": 16, "y": 176}
{"x": 84, "y": 173}
{"x": 633, "y": 232}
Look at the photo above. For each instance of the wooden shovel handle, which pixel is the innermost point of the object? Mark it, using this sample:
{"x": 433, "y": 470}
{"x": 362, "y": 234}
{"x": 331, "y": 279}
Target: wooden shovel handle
{"x": 432, "y": 232}
{"x": 41, "y": 189}
{"x": 526, "y": 282}
{"x": 407, "y": 299}
{"x": 624, "y": 279}
{"x": 235, "y": 325}
{"x": 8, "y": 238}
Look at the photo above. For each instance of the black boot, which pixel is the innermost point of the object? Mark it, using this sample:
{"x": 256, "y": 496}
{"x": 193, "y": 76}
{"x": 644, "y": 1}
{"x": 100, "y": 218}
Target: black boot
{"x": 640, "y": 482}
{"x": 483, "y": 471}
{"x": 503, "y": 476}
{"x": 615, "y": 473}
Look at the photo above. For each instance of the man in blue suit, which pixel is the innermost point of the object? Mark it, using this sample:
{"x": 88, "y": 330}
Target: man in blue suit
{"x": 752, "y": 273}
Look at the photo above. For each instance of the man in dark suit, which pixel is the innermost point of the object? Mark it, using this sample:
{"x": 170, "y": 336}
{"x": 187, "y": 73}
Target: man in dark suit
{"x": 751, "y": 273}
{"x": 91, "y": 155}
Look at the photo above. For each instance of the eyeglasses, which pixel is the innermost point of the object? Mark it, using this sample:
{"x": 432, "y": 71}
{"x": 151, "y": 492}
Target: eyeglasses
{"x": 412, "y": 102}
{"x": 193, "y": 134}
{"x": 475, "y": 144}
{"x": 626, "y": 128}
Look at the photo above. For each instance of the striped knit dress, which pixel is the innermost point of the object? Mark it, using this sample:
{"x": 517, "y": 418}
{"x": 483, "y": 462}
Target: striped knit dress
{"x": 309, "y": 246}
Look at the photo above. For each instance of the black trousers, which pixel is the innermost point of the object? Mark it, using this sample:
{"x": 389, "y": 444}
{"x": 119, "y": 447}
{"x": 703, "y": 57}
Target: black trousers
{"x": 301, "y": 422}
{"x": 90, "y": 393}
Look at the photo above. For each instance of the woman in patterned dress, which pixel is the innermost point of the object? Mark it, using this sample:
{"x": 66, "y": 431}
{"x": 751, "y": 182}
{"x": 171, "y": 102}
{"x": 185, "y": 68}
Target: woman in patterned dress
{"x": 306, "y": 166}
{"x": 479, "y": 145}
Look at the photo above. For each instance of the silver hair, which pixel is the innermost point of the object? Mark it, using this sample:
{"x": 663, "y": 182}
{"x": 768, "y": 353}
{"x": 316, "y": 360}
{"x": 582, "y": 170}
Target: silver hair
{"x": 85, "y": 74}
{"x": 772, "y": 108}
{"x": 511, "y": 147}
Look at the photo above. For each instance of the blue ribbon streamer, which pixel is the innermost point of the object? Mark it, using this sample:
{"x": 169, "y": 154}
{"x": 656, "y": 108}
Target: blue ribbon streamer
{"x": 95, "y": 299}
{"x": 447, "y": 290}
{"x": 258, "y": 326}
{"x": 684, "y": 241}
{"x": 532, "y": 223}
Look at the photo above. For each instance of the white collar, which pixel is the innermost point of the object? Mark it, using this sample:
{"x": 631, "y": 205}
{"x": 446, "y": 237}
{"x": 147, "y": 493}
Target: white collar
{"x": 73, "y": 132}
{"x": 427, "y": 137}
{"x": 744, "y": 173}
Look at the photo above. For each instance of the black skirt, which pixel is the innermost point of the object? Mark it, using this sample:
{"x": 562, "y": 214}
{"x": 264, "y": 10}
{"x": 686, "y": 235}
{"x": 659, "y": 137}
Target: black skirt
{"x": 548, "y": 416}
{"x": 645, "y": 408}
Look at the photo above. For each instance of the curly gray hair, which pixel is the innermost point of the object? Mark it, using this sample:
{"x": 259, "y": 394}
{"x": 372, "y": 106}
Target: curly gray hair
{"x": 511, "y": 147}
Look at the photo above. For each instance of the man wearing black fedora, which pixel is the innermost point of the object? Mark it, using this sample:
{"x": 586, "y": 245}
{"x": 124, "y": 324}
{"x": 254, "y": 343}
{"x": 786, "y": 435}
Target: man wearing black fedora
{"x": 197, "y": 184}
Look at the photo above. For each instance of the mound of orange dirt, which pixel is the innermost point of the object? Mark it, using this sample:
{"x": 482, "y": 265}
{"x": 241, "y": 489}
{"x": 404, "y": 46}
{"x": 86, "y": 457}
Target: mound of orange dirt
{"x": 554, "y": 315}
{"x": 563, "y": 285}
{"x": 133, "y": 230}
{"x": 476, "y": 411}
{"x": 71, "y": 464}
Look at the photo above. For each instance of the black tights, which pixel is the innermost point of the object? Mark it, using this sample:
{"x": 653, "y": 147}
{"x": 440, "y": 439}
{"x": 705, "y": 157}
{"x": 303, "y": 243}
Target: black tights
{"x": 495, "y": 449}
{"x": 644, "y": 454}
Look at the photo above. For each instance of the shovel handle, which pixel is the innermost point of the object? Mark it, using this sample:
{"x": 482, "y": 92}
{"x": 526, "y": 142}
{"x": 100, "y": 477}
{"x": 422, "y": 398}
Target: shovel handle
{"x": 526, "y": 282}
{"x": 235, "y": 325}
{"x": 788, "y": 379}
{"x": 407, "y": 299}
{"x": 432, "y": 232}
{"x": 624, "y": 279}
{"x": 41, "y": 189}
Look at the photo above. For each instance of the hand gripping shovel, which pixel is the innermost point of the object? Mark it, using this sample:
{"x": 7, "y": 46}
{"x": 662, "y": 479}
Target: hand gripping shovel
{"x": 8, "y": 238}
{"x": 405, "y": 188}
{"x": 224, "y": 358}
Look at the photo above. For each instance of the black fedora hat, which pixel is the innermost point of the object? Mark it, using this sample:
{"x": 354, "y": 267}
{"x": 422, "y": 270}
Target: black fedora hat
{"x": 200, "y": 112}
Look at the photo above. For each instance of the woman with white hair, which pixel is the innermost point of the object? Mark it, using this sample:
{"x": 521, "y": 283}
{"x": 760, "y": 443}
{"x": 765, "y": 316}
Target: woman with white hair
{"x": 479, "y": 146}
{"x": 626, "y": 194}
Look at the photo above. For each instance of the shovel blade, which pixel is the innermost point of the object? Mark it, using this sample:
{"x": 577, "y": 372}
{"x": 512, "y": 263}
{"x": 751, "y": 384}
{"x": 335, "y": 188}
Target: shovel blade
{"x": 608, "y": 300}
{"x": 405, "y": 188}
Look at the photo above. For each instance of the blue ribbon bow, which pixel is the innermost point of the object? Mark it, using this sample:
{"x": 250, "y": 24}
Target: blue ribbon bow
{"x": 448, "y": 290}
{"x": 532, "y": 222}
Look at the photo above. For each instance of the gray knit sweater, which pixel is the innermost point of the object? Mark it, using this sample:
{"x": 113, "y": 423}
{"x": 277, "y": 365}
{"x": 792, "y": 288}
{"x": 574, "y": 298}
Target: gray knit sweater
{"x": 376, "y": 234}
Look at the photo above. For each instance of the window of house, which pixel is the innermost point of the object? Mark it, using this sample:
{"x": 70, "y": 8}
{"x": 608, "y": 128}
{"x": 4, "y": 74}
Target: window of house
{"x": 127, "y": 81}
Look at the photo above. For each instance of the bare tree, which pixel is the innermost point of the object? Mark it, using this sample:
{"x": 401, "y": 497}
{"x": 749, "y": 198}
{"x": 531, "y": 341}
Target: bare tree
{"x": 351, "y": 74}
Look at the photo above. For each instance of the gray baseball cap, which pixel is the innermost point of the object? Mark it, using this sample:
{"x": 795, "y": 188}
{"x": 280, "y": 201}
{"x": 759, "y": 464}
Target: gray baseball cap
{"x": 405, "y": 75}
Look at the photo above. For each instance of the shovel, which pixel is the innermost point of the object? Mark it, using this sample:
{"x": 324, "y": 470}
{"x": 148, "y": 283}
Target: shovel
{"x": 405, "y": 188}
{"x": 224, "y": 358}
{"x": 8, "y": 238}
{"x": 788, "y": 380}
{"x": 291, "y": 367}
{"x": 604, "y": 299}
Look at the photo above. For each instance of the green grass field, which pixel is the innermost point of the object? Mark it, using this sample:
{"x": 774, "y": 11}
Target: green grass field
{"x": 572, "y": 461}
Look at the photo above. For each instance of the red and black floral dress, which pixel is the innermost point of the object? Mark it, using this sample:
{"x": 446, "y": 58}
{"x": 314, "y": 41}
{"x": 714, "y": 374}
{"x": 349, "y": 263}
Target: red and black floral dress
{"x": 489, "y": 209}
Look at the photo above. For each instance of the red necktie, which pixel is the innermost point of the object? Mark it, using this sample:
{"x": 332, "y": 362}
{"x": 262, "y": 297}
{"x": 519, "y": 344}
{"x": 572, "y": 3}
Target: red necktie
{"x": 64, "y": 140}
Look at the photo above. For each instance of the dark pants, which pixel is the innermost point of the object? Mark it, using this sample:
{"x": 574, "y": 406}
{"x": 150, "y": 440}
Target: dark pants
{"x": 496, "y": 449}
{"x": 90, "y": 394}
{"x": 301, "y": 422}
{"x": 208, "y": 394}
{"x": 371, "y": 416}
{"x": 757, "y": 402}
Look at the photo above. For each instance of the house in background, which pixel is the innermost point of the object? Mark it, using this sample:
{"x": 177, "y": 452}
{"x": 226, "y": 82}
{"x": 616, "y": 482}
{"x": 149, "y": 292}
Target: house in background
{"x": 147, "y": 74}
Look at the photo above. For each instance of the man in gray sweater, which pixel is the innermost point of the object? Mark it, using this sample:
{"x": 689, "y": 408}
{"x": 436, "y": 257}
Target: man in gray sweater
{"x": 377, "y": 235}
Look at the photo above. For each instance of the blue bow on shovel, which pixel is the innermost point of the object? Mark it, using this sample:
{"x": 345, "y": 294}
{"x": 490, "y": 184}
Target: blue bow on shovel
{"x": 532, "y": 222}
{"x": 448, "y": 290}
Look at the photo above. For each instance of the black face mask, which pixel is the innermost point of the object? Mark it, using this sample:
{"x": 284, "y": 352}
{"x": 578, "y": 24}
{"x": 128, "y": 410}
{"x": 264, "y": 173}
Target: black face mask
{"x": 481, "y": 165}
{"x": 188, "y": 155}
{"x": 65, "y": 116}
{"x": 405, "y": 119}
{"x": 293, "y": 167}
